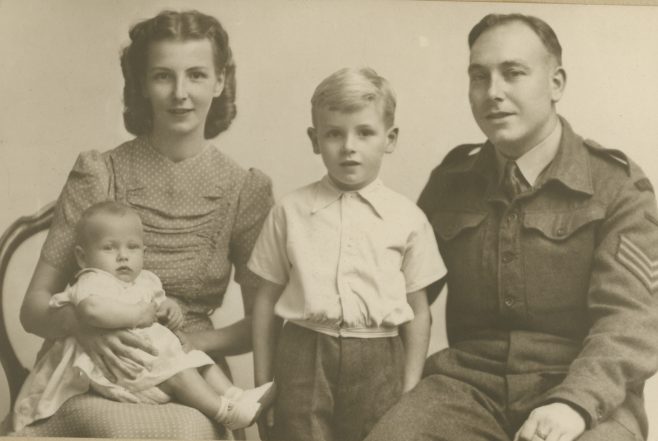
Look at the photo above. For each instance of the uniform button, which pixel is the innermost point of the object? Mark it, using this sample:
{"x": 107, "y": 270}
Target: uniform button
{"x": 561, "y": 231}
{"x": 599, "y": 413}
{"x": 509, "y": 301}
{"x": 512, "y": 217}
{"x": 508, "y": 256}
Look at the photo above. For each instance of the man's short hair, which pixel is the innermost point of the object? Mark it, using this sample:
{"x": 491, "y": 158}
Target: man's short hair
{"x": 539, "y": 26}
{"x": 351, "y": 89}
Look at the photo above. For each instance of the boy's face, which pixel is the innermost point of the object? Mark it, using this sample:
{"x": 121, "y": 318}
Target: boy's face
{"x": 352, "y": 144}
{"x": 113, "y": 244}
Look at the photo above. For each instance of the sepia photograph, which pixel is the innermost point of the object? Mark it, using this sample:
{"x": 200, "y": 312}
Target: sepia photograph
{"x": 329, "y": 220}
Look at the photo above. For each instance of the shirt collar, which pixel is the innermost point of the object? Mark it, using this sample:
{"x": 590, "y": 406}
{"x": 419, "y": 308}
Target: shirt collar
{"x": 535, "y": 160}
{"x": 327, "y": 193}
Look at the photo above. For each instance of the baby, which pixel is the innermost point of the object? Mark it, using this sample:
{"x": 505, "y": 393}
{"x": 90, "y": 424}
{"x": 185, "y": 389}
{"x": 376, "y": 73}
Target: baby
{"x": 112, "y": 291}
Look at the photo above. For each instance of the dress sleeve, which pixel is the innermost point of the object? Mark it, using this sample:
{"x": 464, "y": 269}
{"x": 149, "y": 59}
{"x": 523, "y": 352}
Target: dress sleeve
{"x": 87, "y": 183}
{"x": 621, "y": 350}
{"x": 254, "y": 204}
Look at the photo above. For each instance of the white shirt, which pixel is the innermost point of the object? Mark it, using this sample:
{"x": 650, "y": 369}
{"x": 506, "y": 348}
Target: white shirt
{"x": 347, "y": 259}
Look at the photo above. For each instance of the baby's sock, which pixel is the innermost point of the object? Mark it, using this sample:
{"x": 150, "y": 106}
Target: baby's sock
{"x": 236, "y": 415}
{"x": 233, "y": 393}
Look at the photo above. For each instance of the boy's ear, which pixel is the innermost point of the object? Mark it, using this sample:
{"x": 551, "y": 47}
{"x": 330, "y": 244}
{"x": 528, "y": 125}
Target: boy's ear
{"x": 80, "y": 256}
{"x": 392, "y": 136}
{"x": 313, "y": 136}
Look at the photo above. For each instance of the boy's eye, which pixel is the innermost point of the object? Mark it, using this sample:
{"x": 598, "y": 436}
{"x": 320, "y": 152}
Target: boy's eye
{"x": 477, "y": 77}
{"x": 198, "y": 75}
{"x": 366, "y": 132}
{"x": 333, "y": 134}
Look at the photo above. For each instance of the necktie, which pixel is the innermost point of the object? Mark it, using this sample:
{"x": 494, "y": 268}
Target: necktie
{"x": 513, "y": 182}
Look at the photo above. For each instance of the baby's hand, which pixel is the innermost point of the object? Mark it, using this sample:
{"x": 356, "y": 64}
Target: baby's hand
{"x": 170, "y": 314}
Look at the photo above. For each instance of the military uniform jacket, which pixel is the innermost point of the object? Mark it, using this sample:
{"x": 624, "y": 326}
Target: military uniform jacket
{"x": 554, "y": 292}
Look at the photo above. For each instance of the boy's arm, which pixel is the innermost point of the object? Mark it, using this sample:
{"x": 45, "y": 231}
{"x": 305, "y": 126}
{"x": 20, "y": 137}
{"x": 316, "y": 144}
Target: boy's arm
{"x": 102, "y": 312}
{"x": 415, "y": 336}
{"x": 266, "y": 328}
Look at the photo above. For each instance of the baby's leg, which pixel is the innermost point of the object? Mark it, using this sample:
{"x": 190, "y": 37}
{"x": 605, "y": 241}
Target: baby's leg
{"x": 190, "y": 388}
{"x": 213, "y": 374}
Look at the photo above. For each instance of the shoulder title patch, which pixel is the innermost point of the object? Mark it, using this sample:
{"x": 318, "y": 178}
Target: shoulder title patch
{"x": 638, "y": 262}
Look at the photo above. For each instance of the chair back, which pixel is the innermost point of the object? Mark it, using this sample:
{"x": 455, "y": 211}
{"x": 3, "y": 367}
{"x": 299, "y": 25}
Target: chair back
{"x": 16, "y": 235}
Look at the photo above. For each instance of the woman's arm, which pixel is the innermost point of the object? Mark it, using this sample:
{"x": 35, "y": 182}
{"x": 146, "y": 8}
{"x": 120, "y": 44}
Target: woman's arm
{"x": 103, "y": 346}
{"x": 234, "y": 339}
{"x": 102, "y": 312}
{"x": 415, "y": 336}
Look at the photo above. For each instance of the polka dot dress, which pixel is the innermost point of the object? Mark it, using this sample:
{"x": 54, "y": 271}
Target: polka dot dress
{"x": 201, "y": 216}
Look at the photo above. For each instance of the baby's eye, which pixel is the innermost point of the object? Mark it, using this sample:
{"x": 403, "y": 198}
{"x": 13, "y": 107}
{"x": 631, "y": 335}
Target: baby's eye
{"x": 134, "y": 246}
{"x": 107, "y": 247}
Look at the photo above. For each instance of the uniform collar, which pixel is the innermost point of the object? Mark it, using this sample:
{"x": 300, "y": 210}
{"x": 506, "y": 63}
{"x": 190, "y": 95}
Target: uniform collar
{"x": 570, "y": 166}
{"x": 535, "y": 160}
{"x": 327, "y": 193}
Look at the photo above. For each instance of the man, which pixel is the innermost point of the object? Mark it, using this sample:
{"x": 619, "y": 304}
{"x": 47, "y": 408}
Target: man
{"x": 551, "y": 245}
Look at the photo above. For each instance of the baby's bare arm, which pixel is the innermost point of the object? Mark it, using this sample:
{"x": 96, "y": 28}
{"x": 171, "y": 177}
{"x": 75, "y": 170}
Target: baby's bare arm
{"x": 112, "y": 314}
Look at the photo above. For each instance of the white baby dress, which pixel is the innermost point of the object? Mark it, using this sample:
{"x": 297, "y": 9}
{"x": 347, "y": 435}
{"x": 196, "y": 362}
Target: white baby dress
{"x": 66, "y": 370}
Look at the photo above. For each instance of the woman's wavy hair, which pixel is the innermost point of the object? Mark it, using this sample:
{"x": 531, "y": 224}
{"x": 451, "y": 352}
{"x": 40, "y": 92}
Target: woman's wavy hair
{"x": 182, "y": 26}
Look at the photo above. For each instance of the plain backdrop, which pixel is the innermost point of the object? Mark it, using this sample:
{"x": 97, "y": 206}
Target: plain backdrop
{"x": 60, "y": 94}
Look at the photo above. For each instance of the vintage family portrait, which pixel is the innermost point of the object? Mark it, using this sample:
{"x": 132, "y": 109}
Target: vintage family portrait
{"x": 341, "y": 221}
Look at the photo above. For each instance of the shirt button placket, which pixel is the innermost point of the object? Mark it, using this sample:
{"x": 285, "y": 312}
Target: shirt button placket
{"x": 510, "y": 282}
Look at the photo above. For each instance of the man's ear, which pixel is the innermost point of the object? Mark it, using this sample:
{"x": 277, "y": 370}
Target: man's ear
{"x": 80, "y": 256}
{"x": 313, "y": 136}
{"x": 558, "y": 83}
{"x": 392, "y": 139}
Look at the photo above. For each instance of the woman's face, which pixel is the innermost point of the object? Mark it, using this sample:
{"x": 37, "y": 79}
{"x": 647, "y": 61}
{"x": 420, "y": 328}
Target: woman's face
{"x": 181, "y": 83}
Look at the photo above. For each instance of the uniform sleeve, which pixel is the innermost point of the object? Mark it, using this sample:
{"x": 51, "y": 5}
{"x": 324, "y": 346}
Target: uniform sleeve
{"x": 621, "y": 349}
{"x": 254, "y": 203}
{"x": 270, "y": 258}
{"x": 87, "y": 183}
{"x": 422, "y": 264}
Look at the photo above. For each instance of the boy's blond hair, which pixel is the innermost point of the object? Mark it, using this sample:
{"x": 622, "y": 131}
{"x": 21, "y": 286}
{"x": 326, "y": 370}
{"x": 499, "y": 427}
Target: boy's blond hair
{"x": 351, "y": 89}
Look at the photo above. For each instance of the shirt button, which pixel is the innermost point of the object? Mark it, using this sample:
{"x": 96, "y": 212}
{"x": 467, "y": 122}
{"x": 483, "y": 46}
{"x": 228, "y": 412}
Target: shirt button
{"x": 508, "y": 256}
{"x": 561, "y": 231}
{"x": 509, "y": 301}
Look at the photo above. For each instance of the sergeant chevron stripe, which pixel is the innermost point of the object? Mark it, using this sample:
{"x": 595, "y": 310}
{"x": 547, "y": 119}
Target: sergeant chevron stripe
{"x": 637, "y": 262}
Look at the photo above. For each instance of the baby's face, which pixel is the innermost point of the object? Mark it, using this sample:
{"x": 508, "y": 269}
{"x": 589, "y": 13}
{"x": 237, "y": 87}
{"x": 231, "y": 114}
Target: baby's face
{"x": 116, "y": 246}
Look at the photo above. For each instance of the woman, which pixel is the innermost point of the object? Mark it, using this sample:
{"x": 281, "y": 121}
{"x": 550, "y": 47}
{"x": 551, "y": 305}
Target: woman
{"x": 201, "y": 211}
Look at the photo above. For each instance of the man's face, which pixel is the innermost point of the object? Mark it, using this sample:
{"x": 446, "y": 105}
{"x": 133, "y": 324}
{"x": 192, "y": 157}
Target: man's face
{"x": 514, "y": 85}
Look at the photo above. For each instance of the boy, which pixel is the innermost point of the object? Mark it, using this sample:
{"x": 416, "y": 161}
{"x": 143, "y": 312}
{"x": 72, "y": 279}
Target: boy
{"x": 345, "y": 262}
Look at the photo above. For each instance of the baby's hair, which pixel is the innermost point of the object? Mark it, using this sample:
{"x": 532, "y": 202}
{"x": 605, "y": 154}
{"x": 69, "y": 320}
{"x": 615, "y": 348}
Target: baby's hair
{"x": 351, "y": 89}
{"x": 177, "y": 26}
{"x": 111, "y": 208}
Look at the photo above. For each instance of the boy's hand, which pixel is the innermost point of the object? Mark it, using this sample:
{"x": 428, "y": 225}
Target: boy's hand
{"x": 170, "y": 314}
{"x": 147, "y": 314}
{"x": 266, "y": 424}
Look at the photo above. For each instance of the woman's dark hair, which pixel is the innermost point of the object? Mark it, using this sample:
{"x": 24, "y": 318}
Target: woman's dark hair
{"x": 538, "y": 26}
{"x": 172, "y": 25}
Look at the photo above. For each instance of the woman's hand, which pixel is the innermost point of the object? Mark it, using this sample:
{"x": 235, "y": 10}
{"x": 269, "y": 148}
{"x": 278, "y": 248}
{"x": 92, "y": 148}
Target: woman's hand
{"x": 170, "y": 314}
{"x": 115, "y": 350}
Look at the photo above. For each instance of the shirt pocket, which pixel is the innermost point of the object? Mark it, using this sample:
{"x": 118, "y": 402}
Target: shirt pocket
{"x": 558, "y": 251}
{"x": 461, "y": 237}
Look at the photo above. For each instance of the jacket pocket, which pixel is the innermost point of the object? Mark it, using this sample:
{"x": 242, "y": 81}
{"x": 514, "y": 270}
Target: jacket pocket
{"x": 560, "y": 226}
{"x": 447, "y": 225}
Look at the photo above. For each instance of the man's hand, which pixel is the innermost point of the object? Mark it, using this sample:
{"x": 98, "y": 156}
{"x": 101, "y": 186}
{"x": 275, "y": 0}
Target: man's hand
{"x": 553, "y": 422}
{"x": 170, "y": 314}
{"x": 115, "y": 350}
